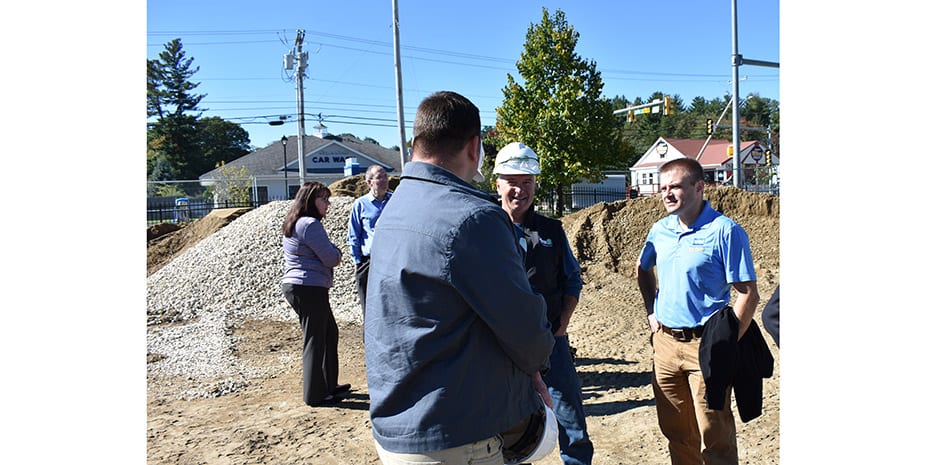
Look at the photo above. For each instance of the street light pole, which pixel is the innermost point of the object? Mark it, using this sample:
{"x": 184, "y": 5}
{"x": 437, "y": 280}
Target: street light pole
{"x": 286, "y": 190}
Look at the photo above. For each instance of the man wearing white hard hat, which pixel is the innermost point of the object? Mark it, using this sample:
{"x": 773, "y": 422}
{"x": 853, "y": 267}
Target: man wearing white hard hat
{"x": 555, "y": 273}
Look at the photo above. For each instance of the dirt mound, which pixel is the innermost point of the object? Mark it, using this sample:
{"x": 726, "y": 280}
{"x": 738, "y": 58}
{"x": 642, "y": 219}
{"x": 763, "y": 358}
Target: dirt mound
{"x": 170, "y": 239}
{"x": 266, "y": 422}
{"x": 161, "y": 229}
{"x": 607, "y": 237}
{"x": 355, "y": 186}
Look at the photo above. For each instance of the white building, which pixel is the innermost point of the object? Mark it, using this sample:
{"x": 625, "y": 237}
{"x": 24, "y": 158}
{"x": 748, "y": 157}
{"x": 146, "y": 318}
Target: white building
{"x": 326, "y": 158}
{"x": 714, "y": 157}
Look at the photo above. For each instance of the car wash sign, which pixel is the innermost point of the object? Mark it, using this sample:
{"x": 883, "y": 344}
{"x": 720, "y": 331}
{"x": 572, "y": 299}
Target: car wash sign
{"x": 330, "y": 159}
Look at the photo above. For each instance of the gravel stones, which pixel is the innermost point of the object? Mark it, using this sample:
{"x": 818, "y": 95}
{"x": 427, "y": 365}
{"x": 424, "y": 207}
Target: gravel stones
{"x": 195, "y": 301}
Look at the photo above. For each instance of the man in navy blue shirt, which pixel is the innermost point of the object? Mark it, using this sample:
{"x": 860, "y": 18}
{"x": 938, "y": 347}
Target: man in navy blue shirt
{"x": 450, "y": 368}
{"x": 364, "y": 214}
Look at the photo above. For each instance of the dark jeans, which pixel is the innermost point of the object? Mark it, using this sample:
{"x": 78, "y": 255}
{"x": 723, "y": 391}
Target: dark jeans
{"x": 362, "y": 279}
{"x": 564, "y": 385}
{"x": 321, "y": 338}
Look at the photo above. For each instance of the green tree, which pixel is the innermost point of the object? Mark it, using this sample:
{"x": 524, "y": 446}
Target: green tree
{"x": 558, "y": 110}
{"x": 647, "y": 127}
{"x": 219, "y": 141}
{"x": 169, "y": 90}
{"x": 690, "y": 122}
{"x": 177, "y": 141}
{"x": 233, "y": 186}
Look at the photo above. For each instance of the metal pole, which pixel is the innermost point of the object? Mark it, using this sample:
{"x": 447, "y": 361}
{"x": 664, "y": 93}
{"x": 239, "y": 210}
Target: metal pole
{"x": 735, "y": 116}
{"x": 401, "y": 111}
{"x": 301, "y": 66}
{"x": 286, "y": 189}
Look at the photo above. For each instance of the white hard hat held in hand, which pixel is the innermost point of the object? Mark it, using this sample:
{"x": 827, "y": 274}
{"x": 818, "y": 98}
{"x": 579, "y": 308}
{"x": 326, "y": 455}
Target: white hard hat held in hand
{"x": 516, "y": 158}
{"x": 536, "y": 441}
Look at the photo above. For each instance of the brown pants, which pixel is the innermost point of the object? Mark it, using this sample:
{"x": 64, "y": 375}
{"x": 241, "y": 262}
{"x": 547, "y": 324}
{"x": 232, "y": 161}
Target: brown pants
{"x": 696, "y": 433}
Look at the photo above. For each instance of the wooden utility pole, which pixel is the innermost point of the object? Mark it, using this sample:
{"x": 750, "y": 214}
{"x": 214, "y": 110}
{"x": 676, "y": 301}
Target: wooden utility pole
{"x": 401, "y": 112}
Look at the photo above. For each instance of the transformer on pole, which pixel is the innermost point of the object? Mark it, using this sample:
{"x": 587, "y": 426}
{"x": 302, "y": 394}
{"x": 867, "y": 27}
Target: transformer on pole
{"x": 299, "y": 57}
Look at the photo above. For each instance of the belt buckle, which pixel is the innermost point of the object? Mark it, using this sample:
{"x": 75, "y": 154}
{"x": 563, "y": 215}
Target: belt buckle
{"x": 679, "y": 335}
{"x": 686, "y": 335}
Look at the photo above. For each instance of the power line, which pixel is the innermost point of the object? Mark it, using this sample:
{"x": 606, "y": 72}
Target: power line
{"x": 433, "y": 51}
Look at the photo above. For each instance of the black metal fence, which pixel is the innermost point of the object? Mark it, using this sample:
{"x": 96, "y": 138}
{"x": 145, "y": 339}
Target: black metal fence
{"x": 577, "y": 198}
{"x": 185, "y": 209}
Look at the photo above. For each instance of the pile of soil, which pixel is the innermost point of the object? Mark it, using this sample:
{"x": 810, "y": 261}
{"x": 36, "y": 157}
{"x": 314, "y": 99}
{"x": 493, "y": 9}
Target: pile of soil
{"x": 268, "y": 423}
{"x": 355, "y": 186}
{"x": 165, "y": 241}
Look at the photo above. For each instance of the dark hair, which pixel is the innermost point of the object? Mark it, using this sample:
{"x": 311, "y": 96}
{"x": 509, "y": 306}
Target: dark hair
{"x": 444, "y": 122}
{"x": 692, "y": 168}
{"x": 304, "y": 205}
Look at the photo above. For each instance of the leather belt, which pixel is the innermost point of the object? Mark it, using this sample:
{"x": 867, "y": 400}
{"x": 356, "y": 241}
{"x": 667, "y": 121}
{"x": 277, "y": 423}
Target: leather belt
{"x": 683, "y": 334}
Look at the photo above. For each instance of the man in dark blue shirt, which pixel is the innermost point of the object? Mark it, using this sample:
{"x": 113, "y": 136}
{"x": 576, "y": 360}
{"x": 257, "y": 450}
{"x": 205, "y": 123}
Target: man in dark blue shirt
{"x": 449, "y": 368}
{"x": 555, "y": 273}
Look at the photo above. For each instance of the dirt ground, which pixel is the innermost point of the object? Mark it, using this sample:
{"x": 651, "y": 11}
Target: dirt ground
{"x": 267, "y": 422}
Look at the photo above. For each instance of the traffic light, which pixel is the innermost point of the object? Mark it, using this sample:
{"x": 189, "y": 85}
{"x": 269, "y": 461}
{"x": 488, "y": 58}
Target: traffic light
{"x": 630, "y": 116}
{"x": 730, "y": 150}
{"x": 668, "y": 106}
{"x": 709, "y": 126}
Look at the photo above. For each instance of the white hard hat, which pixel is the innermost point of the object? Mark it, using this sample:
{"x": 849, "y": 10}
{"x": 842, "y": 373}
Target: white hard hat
{"x": 516, "y": 158}
{"x": 538, "y": 440}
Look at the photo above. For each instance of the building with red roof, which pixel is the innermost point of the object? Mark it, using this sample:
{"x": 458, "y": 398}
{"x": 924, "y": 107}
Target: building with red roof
{"x": 712, "y": 154}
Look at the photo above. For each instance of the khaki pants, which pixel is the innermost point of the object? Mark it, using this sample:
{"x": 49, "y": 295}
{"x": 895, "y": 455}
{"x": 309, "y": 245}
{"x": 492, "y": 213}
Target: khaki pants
{"x": 485, "y": 452}
{"x": 696, "y": 433}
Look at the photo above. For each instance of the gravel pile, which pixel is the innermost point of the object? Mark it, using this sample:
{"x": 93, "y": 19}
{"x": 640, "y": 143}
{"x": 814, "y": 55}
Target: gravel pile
{"x": 234, "y": 274}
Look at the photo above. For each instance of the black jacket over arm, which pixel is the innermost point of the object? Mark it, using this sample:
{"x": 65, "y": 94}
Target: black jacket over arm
{"x": 743, "y": 364}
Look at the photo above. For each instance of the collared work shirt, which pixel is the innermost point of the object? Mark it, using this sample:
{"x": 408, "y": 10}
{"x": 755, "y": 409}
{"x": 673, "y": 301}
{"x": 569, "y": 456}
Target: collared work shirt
{"x": 363, "y": 216}
{"x": 696, "y": 267}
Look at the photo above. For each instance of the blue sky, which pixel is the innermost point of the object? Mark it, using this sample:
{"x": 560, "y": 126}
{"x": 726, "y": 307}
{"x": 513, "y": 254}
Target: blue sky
{"x": 640, "y": 47}
{"x": 856, "y": 88}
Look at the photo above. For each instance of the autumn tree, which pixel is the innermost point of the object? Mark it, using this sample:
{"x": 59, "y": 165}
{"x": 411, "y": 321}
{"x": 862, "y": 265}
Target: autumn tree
{"x": 558, "y": 110}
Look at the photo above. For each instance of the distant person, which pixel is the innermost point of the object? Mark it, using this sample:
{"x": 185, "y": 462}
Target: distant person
{"x": 450, "y": 369}
{"x": 309, "y": 259}
{"x": 362, "y": 218}
{"x": 771, "y": 316}
{"x": 699, "y": 255}
{"x": 555, "y": 274}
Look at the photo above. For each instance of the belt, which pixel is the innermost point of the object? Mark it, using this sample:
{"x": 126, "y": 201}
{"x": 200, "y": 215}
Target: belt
{"x": 683, "y": 334}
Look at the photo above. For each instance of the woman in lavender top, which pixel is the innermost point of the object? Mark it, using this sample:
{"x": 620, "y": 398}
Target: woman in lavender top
{"x": 309, "y": 259}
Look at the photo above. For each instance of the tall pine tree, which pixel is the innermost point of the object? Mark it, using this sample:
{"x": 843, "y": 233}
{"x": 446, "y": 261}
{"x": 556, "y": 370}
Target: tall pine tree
{"x": 173, "y": 147}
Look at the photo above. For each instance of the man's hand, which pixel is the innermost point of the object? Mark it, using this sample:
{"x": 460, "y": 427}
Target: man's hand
{"x": 654, "y": 324}
{"x": 542, "y": 389}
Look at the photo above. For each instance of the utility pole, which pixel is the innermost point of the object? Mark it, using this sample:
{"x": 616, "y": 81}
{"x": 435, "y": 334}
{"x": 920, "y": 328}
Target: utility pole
{"x": 736, "y": 61}
{"x": 401, "y": 111}
{"x": 300, "y": 57}
{"x": 735, "y": 111}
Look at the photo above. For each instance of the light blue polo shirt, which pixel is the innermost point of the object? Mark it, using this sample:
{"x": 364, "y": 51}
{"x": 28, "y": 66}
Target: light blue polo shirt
{"x": 696, "y": 267}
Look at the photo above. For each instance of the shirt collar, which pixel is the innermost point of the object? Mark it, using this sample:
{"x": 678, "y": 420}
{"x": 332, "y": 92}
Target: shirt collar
{"x": 704, "y": 217}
